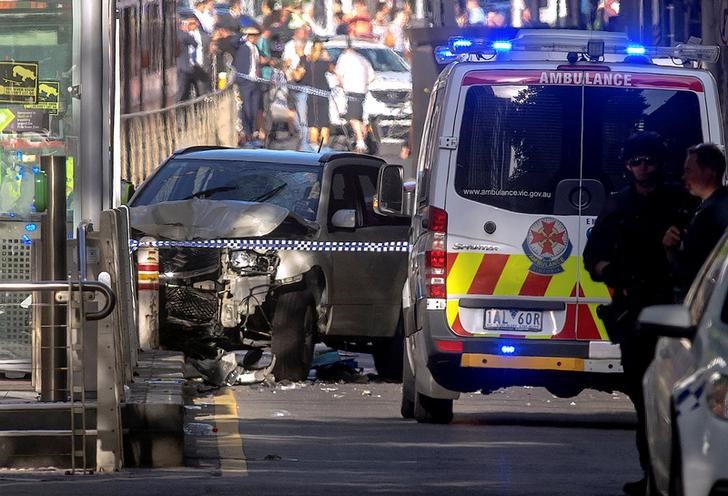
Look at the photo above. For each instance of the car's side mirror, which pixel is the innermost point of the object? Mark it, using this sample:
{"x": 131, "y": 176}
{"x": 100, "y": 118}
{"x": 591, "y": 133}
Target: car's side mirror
{"x": 392, "y": 197}
{"x": 345, "y": 219}
{"x": 673, "y": 321}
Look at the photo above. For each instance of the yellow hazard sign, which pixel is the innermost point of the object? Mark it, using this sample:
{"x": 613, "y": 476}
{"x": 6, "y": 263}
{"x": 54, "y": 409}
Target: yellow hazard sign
{"x": 6, "y": 118}
{"x": 49, "y": 97}
{"x": 18, "y": 82}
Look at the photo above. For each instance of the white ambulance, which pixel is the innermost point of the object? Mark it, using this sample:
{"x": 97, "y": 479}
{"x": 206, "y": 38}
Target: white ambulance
{"x": 520, "y": 150}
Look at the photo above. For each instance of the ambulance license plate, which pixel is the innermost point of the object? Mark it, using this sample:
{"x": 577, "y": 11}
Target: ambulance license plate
{"x": 513, "y": 320}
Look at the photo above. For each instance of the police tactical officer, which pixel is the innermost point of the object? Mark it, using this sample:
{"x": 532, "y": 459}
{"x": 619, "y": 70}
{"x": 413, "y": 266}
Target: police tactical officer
{"x": 624, "y": 250}
{"x": 688, "y": 249}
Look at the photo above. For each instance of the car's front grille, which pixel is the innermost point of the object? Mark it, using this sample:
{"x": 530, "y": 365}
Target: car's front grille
{"x": 191, "y": 305}
{"x": 392, "y": 97}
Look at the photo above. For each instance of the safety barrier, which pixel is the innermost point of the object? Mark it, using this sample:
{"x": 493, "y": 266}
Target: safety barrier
{"x": 147, "y": 138}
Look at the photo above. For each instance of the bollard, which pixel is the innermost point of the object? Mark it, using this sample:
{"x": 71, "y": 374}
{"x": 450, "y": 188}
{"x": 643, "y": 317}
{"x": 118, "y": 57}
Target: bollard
{"x": 53, "y": 326}
{"x": 148, "y": 286}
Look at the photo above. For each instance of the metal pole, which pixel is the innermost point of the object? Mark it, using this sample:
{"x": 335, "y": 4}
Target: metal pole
{"x": 54, "y": 362}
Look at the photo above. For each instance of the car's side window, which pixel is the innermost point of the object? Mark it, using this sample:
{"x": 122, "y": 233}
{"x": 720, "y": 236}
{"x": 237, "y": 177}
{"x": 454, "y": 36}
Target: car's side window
{"x": 699, "y": 296}
{"x": 342, "y": 195}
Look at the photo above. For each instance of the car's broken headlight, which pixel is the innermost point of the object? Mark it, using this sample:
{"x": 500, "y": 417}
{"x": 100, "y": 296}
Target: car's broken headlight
{"x": 243, "y": 259}
{"x": 251, "y": 261}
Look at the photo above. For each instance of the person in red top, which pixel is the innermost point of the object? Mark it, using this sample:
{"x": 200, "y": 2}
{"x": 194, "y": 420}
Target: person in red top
{"x": 360, "y": 22}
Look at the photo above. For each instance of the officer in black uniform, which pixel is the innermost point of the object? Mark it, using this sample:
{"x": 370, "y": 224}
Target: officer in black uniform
{"x": 624, "y": 250}
{"x": 688, "y": 248}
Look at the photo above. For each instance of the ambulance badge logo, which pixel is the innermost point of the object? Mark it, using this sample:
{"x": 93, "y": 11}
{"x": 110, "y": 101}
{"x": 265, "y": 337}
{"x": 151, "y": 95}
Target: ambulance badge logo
{"x": 547, "y": 245}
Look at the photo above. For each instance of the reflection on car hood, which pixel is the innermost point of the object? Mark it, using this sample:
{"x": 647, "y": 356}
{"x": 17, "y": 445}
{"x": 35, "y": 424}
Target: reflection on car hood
{"x": 186, "y": 220}
{"x": 391, "y": 81}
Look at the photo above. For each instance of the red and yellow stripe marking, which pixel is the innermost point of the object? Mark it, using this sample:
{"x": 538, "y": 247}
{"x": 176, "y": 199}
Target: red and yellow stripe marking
{"x": 509, "y": 275}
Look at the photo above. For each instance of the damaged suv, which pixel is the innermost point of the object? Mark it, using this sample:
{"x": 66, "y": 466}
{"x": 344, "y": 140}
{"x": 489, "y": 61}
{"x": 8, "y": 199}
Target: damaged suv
{"x": 294, "y": 253}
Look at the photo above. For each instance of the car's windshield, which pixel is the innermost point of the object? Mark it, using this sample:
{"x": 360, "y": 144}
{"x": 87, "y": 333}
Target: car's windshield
{"x": 295, "y": 187}
{"x": 382, "y": 59}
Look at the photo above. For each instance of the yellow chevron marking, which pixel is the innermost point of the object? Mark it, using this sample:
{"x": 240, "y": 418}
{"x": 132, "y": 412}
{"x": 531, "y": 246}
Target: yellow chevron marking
{"x": 561, "y": 284}
{"x": 463, "y": 272}
{"x": 513, "y": 275}
{"x": 521, "y": 362}
{"x": 592, "y": 289}
{"x": 600, "y": 325}
{"x": 452, "y": 311}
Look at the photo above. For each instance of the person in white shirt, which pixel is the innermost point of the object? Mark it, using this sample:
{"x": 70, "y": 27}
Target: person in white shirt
{"x": 294, "y": 54}
{"x": 191, "y": 60}
{"x": 205, "y": 13}
{"x": 355, "y": 74}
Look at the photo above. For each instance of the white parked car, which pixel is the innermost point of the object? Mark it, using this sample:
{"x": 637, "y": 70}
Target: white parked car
{"x": 388, "y": 105}
{"x": 686, "y": 386}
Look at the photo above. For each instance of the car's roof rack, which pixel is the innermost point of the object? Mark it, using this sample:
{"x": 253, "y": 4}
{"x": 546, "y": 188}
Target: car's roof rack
{"x": 589, "y": 45}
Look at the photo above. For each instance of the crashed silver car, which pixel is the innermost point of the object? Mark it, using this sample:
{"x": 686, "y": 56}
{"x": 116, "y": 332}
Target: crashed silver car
{"x": 294, "y": 254}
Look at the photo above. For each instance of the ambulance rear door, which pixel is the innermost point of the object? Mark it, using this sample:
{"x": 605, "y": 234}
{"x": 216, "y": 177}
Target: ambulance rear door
{"x": 616, "y": 104}
{"x": 513, "y": 230}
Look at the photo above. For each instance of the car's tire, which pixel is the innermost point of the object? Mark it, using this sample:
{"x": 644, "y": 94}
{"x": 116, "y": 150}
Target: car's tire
{"x": 407, "y": 408}
{"x": 293, "y": 337}
{"x": 388, "y": 355}
{"x": 432, "y": 410}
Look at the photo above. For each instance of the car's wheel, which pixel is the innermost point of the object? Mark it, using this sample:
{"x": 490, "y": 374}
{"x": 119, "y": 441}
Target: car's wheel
{"x": 432, "y": 410}
{"x": 388, "y": 355}
{"x": 294, "y": 331}
{"x": 407, "y": 408}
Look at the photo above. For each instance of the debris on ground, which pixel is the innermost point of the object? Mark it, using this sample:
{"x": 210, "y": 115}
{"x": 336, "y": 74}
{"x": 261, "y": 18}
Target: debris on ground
{"x": 199, "y": 429}
{"x": 231, "y": 368}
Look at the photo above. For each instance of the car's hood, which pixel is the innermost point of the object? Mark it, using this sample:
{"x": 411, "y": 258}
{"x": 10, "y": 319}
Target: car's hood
{"x": 186, "y": 220}
{"x": 392, "y": 81}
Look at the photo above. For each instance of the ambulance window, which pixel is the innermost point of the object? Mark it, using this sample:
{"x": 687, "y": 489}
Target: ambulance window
{"x": 612, "y": 114}
{"x": 516, "y": 144}
{"x": 428, "y": 139}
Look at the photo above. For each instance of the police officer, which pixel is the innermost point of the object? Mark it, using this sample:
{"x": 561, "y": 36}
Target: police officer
{"x": 624, "y": 250}
{"x": 688, "y": 249}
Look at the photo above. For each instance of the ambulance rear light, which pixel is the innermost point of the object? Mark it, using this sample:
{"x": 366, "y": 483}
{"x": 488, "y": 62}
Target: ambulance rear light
{"x": 436, "y": 253}
{"x": 448, "y": 346}
{"x": 436, "y": 220}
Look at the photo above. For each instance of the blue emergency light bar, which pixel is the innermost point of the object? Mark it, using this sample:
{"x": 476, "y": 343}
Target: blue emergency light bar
{"x": 593, "y": 47}
{"x": 636, "y": 50}
{"x": 443, "y": 55}
{"x": 507, "y": 349}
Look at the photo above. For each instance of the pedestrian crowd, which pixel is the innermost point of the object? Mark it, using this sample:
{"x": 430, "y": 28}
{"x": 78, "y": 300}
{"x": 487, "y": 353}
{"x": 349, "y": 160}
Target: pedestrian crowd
{"x": 269, "y": 45}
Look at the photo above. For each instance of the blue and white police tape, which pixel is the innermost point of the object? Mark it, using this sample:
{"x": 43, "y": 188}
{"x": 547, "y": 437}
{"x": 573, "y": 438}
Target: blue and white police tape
{"x": 281, "y": 82}
{"x": 279, "y": 244}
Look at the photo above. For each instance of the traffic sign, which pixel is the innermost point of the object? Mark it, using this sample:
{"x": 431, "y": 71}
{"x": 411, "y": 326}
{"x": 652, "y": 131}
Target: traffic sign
{"x": 6, "y": 117}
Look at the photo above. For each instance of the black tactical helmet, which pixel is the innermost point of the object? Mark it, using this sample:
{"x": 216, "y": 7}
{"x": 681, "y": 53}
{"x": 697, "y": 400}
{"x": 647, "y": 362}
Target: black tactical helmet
{"x": 645, "y": 144}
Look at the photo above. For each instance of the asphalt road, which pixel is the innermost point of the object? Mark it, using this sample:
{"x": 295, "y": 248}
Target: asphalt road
{"x": 348, "y": 438}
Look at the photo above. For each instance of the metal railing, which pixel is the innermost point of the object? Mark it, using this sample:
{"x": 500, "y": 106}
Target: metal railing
{"x": 147, "y": 138}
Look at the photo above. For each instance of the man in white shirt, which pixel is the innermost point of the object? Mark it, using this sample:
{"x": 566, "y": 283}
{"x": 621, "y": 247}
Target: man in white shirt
{"x": 294, "y": 53}
{"x": 205, "y": 13}
{"x": 355, "y": 74}
{"x": 191, "y": 59}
